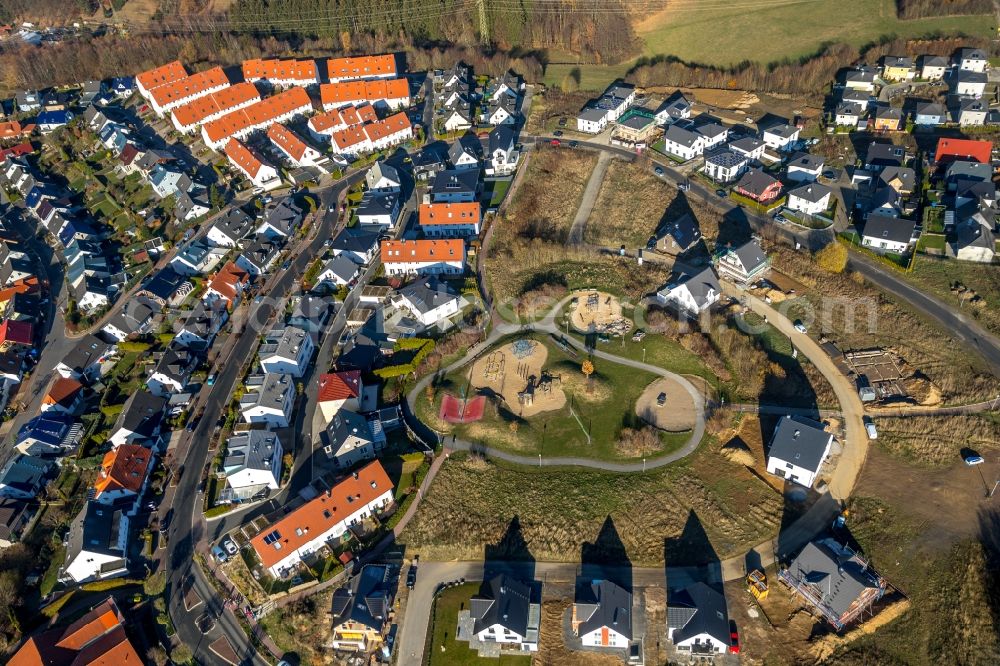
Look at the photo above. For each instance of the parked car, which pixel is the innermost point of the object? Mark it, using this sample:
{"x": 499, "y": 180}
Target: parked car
{"x": 557, "y": 133}
{"x": 219, "y": 554}
{"x": 556, "y": 142}
{"x": 411, "y": 577}
{"x": 658, "y": 170}
{"x": 638, "y": 335}
{"x": 684, "y": 187}
{"x": 780, "y": 218}
{"x": 230, "y": 546}
{"x": 661, "y": 399}
{"x": 800, "y": 327}
{"x": 734, "y": 638}
{"x": 211, "y": 380}
{"x": 574, "y": 144}
{"x": 870, "y": 429}
{"x": 972, "y": 460}
{"x": 562, "y": 122}
{"x": 720, "y": 193}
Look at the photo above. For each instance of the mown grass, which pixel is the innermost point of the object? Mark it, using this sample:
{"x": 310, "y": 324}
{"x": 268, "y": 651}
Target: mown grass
{"x": 784, "y": 30}
{"x": 444, "y": 650}
{"x": 602, "y": 409}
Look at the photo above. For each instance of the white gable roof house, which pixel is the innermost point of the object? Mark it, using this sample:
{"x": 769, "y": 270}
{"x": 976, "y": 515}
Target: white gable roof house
{"x": 698, "y": 620}
{"x": 252, "y": 464}
{"x": 692, "y": 293}
{"x": 351, "y": 438}
{"x": 506, "y": 611}
{"x": 382, "y": 177}
{"x": 602, "y": 615}
{"x": 797, "y": 449}
{"x": 725, "y": 166}
{"x": 811, "y": 198}
{"x": 268, "y": 400}
{"x": 781, "y": 137}
{"x": 744, "y": 264}
{"x": 683, "y": 143}
{"x": 286, "y": 350}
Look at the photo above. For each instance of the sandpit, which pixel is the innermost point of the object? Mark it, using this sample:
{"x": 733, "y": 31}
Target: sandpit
{"x": 676, "y": 414}
{"x": 516, "y": 374}
{"x": 598, "y": 312}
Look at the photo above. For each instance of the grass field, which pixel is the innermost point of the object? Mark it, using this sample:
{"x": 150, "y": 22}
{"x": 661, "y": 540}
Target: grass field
{"x": 701, "y": 504}
{"x": 528, "y": 248}
{"x": 629, "y": 206}
{"x": 773, "y": 30}
{"x": 603, "y": 410}
{"x": 764, "y": 31}
{"x": 957, "y": 374}
{"x": 932, "y": 442}
{"x": 444, "y": 649}
{"x": 981, "y": 296}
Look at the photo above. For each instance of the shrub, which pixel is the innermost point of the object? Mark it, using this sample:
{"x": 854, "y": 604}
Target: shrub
{"x": 832, "y": 258}
{"x": 109, "y": 584}
{"x": 155, "y": 584}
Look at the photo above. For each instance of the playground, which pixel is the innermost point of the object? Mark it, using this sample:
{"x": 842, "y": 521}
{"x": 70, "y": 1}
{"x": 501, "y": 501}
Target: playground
{"x": 516, "y": 374}
{"x": 598, "y": 312}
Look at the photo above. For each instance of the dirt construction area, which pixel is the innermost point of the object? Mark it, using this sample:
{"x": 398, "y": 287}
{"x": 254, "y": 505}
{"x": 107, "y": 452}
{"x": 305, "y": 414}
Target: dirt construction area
{"x": 675, "y": 415}
{"x": 598, "y": 312}
{"x": 516, "y": 373}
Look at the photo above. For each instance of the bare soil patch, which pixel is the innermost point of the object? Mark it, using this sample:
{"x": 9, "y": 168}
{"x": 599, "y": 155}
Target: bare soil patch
{"x": 519, "y": 378}
{"x": 675, "y": 415}
{"x": 552, "y": 649}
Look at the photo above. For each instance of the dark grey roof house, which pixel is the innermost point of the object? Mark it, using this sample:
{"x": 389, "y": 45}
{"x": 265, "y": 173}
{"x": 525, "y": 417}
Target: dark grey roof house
{"x": 507, "y": 605}
{"x": 698, "y": 620}
{"x": 835, "y": 580}
{"x": 602, "y": 605}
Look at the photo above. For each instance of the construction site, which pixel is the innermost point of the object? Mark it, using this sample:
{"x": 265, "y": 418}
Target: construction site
{"x": 598, "y": 312}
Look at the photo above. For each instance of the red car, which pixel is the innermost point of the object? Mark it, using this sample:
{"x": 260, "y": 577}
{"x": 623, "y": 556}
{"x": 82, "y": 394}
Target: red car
{"x": 734, "y": 641}
{"x": 556, "y": 142}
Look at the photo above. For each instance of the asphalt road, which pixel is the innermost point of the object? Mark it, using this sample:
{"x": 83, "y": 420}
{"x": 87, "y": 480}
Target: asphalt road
{"x": 188, "y": 527}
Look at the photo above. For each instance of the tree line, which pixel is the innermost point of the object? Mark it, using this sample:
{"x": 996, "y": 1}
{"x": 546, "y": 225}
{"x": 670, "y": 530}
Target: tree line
{"x": 912, "y": 9}
{"x": 808, "y": 76}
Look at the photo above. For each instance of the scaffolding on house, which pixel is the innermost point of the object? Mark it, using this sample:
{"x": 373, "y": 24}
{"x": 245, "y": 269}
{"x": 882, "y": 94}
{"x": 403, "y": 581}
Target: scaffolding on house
{"x": 817, "y": 592}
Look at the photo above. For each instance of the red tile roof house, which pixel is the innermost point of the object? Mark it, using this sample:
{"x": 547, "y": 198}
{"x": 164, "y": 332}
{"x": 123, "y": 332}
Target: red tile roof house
{"x": 227, "y": 285}
{"x": 65, "y": 396}
{"x": 16, "y": 333}
{"x": 340, "y": 390}
{"x": 758, "y": 186}
{"x": 949, "y": 150}
{"x": 282, "y": 545}
{"x": 98, "y": 638}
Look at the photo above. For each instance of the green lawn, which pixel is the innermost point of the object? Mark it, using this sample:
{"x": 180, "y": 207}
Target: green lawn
{"x": 603, "y": 410}
{"x": 444, "y": 650}
{"x": 499, "y": 191}
{"x": 591, "y": 77}
{"x": 929, "y": 241}
{"x": 787, "y": 29}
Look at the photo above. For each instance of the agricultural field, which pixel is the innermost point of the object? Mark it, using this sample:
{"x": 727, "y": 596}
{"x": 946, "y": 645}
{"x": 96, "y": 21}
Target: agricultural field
{"x": 558, "y": 422}
{"x": 937, "y": 368}
{"x": 776, "y": 30}
{"x": 708, "y": 502}
{"x": 630, "y": 206}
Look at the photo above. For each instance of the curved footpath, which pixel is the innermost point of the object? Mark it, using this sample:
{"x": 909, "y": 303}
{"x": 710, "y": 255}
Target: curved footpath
{"x": 416, "y": 618}
{"x": 547, "y": 325}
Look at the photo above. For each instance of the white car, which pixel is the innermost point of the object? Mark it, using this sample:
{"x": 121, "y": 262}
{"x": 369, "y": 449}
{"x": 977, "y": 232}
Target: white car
{"x": 870, "y": 429}
{"x": 800, "y": 327}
